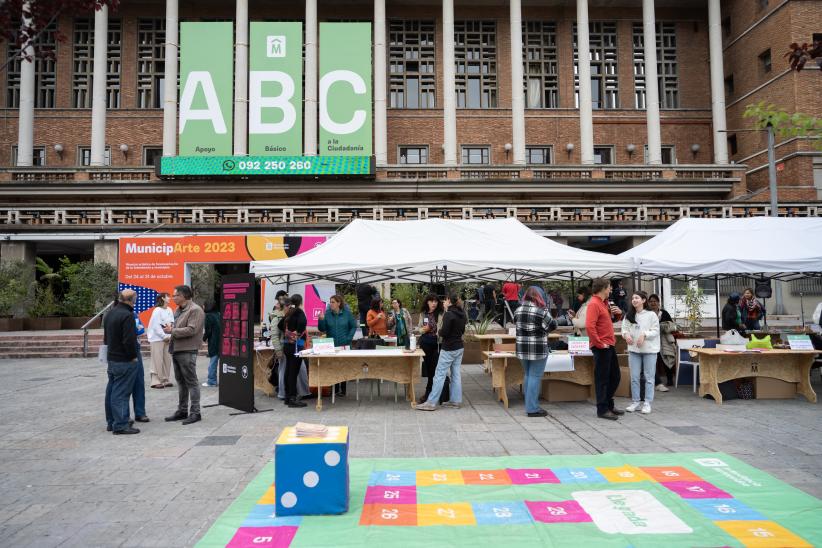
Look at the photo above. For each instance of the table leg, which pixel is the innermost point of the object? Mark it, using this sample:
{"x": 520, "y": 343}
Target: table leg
{"x": 410, "y": 386}
{"x": 804, "y": 385}
{"x": 504, "y": 388}
{"x": 319, "y": 388}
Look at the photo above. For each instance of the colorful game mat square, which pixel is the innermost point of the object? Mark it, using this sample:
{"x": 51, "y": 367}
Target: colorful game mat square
{"x": 389, "y": 514}
{"x": 579, "y": 475}
{"x": 527, "y": 476}
{"x": 762, "y": 534}
{"x": 501, "y": 513}
{"x": 623, "y": 474}
{"x": 565, "y": 511}
{"x": 459, "y": 513}
{"x": 426, "y": 478}
{"x": 725, "y": 510}
{"x": 267, "y": 537}
{"x": 393, "y": 478}
{"x": 381, "y": 494}
{"x": 486, "y": 477}
{"x": 264, "y": 515}
{"x": 696, "y": 490}
{"x": 669, "y": 473}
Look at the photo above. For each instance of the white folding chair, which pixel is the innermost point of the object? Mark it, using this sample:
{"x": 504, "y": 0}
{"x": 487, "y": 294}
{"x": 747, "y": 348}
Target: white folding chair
{"x": 683, "y": 345}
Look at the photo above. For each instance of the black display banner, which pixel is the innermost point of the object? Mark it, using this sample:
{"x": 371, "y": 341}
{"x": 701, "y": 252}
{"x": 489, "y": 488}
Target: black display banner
{"x": 236, "y": 366}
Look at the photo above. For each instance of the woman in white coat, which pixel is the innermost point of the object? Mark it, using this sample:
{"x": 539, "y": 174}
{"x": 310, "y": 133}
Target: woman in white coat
{"x": 640, "y": 329}
{"x": 159, "y": 341}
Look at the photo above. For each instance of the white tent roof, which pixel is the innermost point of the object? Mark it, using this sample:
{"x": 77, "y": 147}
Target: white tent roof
{"x": 411, "y": 250}
{"x": 755, "y": 245}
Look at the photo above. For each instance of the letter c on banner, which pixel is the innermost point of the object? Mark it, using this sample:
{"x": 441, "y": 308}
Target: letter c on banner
{"x": 282, "y": 101}
{"x": 358, "y": 119}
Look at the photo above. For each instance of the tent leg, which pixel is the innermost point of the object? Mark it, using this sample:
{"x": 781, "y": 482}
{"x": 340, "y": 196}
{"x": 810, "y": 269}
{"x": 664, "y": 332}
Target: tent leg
{"x": 716, "y": 286}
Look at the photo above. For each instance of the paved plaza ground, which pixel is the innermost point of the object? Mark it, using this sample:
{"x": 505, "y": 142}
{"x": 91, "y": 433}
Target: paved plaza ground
{"x": 65, "y": 481}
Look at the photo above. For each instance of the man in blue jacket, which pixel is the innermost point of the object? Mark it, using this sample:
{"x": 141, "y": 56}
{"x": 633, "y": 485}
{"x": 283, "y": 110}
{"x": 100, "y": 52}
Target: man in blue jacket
{"x": 120, "y": 335}
{"x": 339, "y": 324}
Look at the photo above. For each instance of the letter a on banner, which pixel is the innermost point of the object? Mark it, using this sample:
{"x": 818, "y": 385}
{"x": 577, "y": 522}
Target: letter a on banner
{"x": 275, "y": 96}
{"x": 345, "y": 89}
{"x": 206, "y": 87}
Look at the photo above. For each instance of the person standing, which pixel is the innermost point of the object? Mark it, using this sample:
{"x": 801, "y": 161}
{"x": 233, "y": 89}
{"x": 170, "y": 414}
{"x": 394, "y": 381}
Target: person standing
{"x": 338, "y": 323}
{"x": 621, "y": 297}
{"x": 667, "y": 343}
{"x": 138, "y": 395}
{"x": 510, "y": 291}
{"x": 376, "y": 320}
{"x": 640, "y": 328}
{"x": 600, "y": 332}
{"x": 293, "y": 326}
{"x": 186, "y": 338}
{"x": 365, "y": 295}
{"x": 751, "y": 310}
{"x": 430, "y": 320}
{"x": 579, "y": 312}
{"x": 399, "y": 323}
{"x": 159, "y": 341}
{"x": 120, "y": 336}
{"x": 534, "y": 322}
{"x": 277, "y": 373}
{"x": 211, "y": 336}
{"x": 450, "y": 359}
{"x": 732, "y": 315}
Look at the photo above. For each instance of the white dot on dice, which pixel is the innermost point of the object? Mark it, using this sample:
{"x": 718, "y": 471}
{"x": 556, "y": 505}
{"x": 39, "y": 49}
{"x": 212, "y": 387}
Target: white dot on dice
{"x": 332, "y": 458}
{"x": 289, "y": 499}
{"x": 311, "y": 479}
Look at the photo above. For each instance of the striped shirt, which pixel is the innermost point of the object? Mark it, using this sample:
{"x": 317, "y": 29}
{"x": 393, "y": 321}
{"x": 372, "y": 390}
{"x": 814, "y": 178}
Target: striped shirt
{"x": 533, "y": 325}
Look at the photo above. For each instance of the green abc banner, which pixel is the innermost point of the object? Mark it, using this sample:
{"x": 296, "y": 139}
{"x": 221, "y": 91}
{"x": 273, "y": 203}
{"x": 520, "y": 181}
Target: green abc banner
{"x": 275, "y": 95}
{"x": 206, "y": 88}
{"x": 345, "y": 89}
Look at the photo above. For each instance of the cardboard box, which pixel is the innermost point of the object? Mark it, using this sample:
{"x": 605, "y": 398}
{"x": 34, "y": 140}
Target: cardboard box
{"x": 767, "y": 388}
{"x": 624, "y": 388}
{"x": 554, "y": 391}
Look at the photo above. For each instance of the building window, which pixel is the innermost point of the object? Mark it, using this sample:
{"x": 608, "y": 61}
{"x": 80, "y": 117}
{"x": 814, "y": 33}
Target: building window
{"x": 38, "y": 156}
{"x": 83, "y": 63}
{"x": 475, "y": 155}
{"x": 726, "y": 27}
{"x": 411, "y": 64}
{"x": 603, "y": 54}
{"x": 85, "y": 156}
{"x": 151, "y": 37}
{"x": 152, "y": 155}
{"x": 765, "y": 61}
{"x": 413, "y": 155}
{"x": 732, "y": 145}
{"x": 541, "y": 75}
{"x": 538, "y": 155}
{"x": 604, "y": 155}
{"x": 668, "y": 155}
{"x": 475, "y": 47}
{"x": 729, "y": 85}
{"x": 45, "y": 73}
{"x": 666, "y": 66}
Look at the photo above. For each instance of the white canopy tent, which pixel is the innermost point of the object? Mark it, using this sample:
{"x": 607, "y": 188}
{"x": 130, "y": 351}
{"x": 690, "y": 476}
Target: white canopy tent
{"x": 774, "y": 247}
{"x": 435, "y": 250}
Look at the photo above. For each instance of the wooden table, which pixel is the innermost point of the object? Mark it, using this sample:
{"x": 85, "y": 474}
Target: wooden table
{"x": 262, "y": 357}
{"x": 488, "y": 340}
{"x": 718, "y": 366}
{"x": 349, "y": 365}
{"x": 506, "y": 370}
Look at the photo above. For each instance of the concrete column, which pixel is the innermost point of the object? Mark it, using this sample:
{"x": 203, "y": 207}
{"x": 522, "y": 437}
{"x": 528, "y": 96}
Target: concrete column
{"x": 586, "y": 122}
{"x": 11, "y": 252}
{"x": 717, "y": 82}
{"x": 651, "y": 84}
{"x": 380, "y": 77}
{"x": 170, "y": 85}
{"x": 241, "y": 79}
{"x": 449, "y": 91}
{"x": 107, "y": 251}
{"x": 310, "y": 121}
{"x": 25, "y": 119}
{"x": 98, "y": 88}
{"x": 517, "y": 93}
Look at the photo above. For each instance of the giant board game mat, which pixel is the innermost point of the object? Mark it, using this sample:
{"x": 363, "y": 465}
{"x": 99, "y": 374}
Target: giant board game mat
{"x": 674, "y": 499}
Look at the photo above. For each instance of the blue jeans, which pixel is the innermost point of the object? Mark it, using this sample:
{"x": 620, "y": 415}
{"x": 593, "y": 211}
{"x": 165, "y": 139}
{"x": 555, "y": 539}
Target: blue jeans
{"x": 139, "y": 392}
{"x": 118, "y": 390}
{"x": 531, "y": 382}
{"x": 212, "y": 370}
{"x": 642, "y": 363}
{"x": 449, "y": 359}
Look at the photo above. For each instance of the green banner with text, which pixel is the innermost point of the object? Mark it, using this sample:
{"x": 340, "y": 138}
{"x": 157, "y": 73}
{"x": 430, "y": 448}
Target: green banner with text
{"x": 345, "y": 89}
{"x": 275, "y": 94}
{"x": 206, "y": 87}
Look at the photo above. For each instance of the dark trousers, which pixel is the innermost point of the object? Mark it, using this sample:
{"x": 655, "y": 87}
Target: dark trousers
{"x": 363, "y": 316}
{"x": 513, "y": 305}
{"x": 139, "y": 393}
{"x": 188, "y": 385}
{"x": 431, "y": 349}
{"x": 118, "y": 391}
{"x": 606, "y": 377}
{"x": 292, "y": 370}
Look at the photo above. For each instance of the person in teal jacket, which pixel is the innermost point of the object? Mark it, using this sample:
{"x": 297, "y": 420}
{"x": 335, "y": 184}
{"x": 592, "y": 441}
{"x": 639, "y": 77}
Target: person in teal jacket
{"x": 338, "y": 323}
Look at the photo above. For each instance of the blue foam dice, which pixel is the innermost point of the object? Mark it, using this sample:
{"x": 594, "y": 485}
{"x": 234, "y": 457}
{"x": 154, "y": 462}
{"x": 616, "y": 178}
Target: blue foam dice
{"x": 311, "y": 474}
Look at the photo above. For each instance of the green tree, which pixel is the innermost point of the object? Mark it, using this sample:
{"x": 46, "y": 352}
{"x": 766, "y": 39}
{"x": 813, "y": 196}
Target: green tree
{"x": 785, "y": 124}
{"x": 90, "y": 286}
{"x": 16, "y": 294}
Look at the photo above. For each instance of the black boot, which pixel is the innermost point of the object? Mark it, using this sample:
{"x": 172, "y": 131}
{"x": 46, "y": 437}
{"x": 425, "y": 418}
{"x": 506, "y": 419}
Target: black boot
{"x": 296, "y": 403}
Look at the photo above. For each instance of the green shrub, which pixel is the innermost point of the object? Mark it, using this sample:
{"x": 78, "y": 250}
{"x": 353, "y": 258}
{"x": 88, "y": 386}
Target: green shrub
{"x": 90, "y": 286}
{"x": 45, "y": 302}
{"x": 16, "y": 293}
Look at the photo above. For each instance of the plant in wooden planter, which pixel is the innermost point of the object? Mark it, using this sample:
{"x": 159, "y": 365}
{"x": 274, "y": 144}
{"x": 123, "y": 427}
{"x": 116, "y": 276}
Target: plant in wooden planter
{"x": 15, "y": 294}
{"x": 695, "y": 299}
{"x": 91, "y": 286}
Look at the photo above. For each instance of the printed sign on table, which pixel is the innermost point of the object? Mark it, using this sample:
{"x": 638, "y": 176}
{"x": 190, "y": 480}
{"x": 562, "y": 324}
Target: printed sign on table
{"x": 800, "y": 342}
{"x": 579, "y": 345}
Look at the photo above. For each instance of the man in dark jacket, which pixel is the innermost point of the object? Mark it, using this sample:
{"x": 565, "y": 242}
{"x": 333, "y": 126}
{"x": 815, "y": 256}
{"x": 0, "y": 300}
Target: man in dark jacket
{"x": 731, "y": 316}
{"x": 120, "y": 335}
{"x": 451, "y": 350}
{"x": 213, "y": 331}
{"x": 365, "y": 294}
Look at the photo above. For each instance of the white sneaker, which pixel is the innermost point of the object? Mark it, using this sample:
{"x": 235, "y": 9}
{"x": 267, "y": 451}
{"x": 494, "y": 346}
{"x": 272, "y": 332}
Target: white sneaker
{"x": 646, "y": 408}
{"x": 451, "y": 404}
{"x": 427, "y": 406}
{"x": 661, "y": 388}
{"x": 633, "y": 407}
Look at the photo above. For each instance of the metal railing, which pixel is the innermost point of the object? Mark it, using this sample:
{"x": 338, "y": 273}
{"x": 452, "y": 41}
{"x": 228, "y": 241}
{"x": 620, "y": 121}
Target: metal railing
{"x": 86, "y": 325}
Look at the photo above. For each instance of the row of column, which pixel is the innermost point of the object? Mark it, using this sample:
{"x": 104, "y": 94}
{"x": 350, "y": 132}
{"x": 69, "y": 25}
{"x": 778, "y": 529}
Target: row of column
{"x": 98, "y": 114}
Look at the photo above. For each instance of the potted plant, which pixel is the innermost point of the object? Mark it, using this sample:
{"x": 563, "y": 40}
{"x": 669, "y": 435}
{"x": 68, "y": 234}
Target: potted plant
{"x": 480, "y": 326}
{"x": 694, "y": 300}
{"x": 91, "y": 286}
{"x": 46, "y": 304}
{"x": 15, "y": 295}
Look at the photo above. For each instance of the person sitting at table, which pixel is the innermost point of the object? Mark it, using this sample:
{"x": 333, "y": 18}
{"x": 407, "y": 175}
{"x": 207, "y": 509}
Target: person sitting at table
{"x": 640, "y": 329}
{"x": 338, "y": 323}
{"x": 751, "y": 310}
{"x": 429, "y": 324}
{"x": 732, "y": 315}
{"x": 667, "y": 343}
{"x": 399, "y": 323}
{"x": 376, "y": 320}
{"x": 534, "y": 322}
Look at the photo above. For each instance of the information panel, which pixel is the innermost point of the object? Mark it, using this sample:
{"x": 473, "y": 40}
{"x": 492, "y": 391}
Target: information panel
{"x": 236, "y": 365}
{"x": 181, "y": 166}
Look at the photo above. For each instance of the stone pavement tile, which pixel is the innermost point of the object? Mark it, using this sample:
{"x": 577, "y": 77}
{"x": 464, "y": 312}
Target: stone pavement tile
{"x": 43, "y": 534}
{"x": 103, "y": 534}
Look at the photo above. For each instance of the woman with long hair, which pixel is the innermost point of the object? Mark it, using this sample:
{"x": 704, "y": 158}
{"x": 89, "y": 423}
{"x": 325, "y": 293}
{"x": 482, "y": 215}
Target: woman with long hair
{"x": 293, "y": 325}
{"x": 640, "y": 329}
{"x": 667, "y": 343}
{"x": 430, "y": 320}
{"x": 751, "y": 310}
{"x": 376, "y": 320}
{"x": 159, "y": 341}
{"x": 534, "y": 322}
{"x": 399, "y": 323}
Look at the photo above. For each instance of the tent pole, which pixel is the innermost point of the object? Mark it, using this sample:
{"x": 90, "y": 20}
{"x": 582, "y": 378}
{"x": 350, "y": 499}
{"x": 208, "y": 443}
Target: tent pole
{"x": 716, "y": 286}
{"x": 288, "y": 284}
